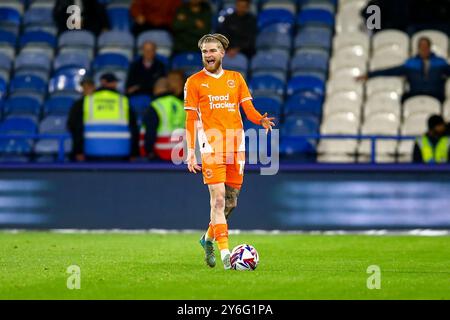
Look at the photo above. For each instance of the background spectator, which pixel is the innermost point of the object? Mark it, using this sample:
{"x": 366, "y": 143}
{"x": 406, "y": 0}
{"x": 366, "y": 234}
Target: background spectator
{"x": 192, "y": 21}
{"x": 143, "y": 73}
{"x": 87, "y": 85}
{"x": 158, "y": 133}
{"x": 93, "y": 15}
{"x": 426, "y": 73}
{"x": 176, "y": 83}
{"x": 153, "y": 14}
{"x": 433, "y": 147}
{"x": 240, "y": 19}
{"x": 75, "y": 122}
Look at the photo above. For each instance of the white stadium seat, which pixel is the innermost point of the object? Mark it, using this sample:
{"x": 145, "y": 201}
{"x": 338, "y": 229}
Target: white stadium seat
{"x": 335, "y": 104}
{"x": 393, "y": 40}
{"x": 385, "y": 60}
{"x": 446, "y": 110}
{"x": 380, "y": 124}
{"x": 335, "y": 158}
{"x": 345, "y": 85}
{"x": 439, "y": 42}
{"x": 354, "y": 39}
{"x": 340, "y": 123}
{"x": 337, "y": 63}
{"x": 337, "y": 146}
{"x": 352, "y": 52}
{"x": 415, "y": 124}
{"x": 393, "y": 85}
{"x": 421, "y": 104}
{"x": 382, "y": 103}
{"x": 447, "y": 89}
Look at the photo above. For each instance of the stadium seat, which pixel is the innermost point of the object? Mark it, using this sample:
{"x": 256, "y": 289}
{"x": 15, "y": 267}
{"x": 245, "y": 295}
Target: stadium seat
{"x": 59, "y": 105}
{"x": 52, "y": 125}
{"x": 447, "y": 88}
{"x": 310, "y": 60}
{"x": 337, "y": 146}
{"x": 269, "y": 40}
{"x": 358, "y": 42}
{"x": 386, "y": 60}
{"x": 269, "y": 105}
{"x": 119, "y": 17}
{"x": 315, "y": 17}
{"x": 305, "y": 84}
{"x": 446, "y": 110}
{"x": 270, "y": 63}
{"x": 393, "y": 85}
{"x": 66, "y": 80}
{"x": 345, "y": 88}
{"x": 41, "y": 16}
{"x": 10, "y": 18}
{"x": 190, "y": 62}
{"x": 348, "y": 19}
{"x": 38, "y": 38}
{"x": 338, "y": 104}
{"x": 3, "y": 90}
{"x": 17, "y": 126}
{"x": 272, "y": 16}
{"x": 27, "y": 83}
{"x": 304, "y": 103}
{"x": 414, "y": 125}
{"x": 5, "y": 62}
{"x": 340, "y": 123}
{"x": 77, "y": 40}
{"x": 439, "y": 42}
{"x": 298, "y": 126}
{"x": 313, "y": 37}
{"x": 116, "y": 42}
{"x": 237, "y": 63}
{"x": 22, "y": 105}
{"x": 322, "y": 4}
{"x": 379, "y": 124}
{"x": 298, "y": 149}
{"x": 382, "y": 103}
{"x": 162, "y": 39}
{"x": 289, "y": 5}
{"x": 418, "y": 104}
{"x": 29, "y": 61}
{"x": 393, "y": 40}
{"x": 110, "y": 61}
{"x": 8, "y": 43}
{"x": 266, "y": 86}
{"x": 71, "y": 60}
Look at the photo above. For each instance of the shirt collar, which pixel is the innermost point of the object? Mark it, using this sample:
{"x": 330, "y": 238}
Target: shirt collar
{"x": 217, "y": 76}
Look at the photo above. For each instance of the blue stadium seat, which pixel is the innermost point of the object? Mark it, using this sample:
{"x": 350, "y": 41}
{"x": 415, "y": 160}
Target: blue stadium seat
{"x": 268, "y": 40}
{"x": 27, "y": 83}
{"x": 119, "y": 18}
{"x": 161, "y": 38}
{"x": 33, "y": 61}
{"x": 81, "y": 39}
{"x": 71, "y": 60}
{"x": 8, "y": 38}
{"x": 40, "y": 38}
{"x": 237, "y": 63}
{"x": 59, "y": 105}
{"x": 110, "y": 61}
{"x": 310, "y": 60}
{"x": 38, "y": 16}
{"x": 115, "y": 38}
{"x": 269, "y": 61}
{"x": 22, "y": 105}
{"x": 266, "y": 85}
{"x": 5, "y": 62}
{"x": 140, "y": 103}
{"x": 297, "y": 149}
{"x": 3, "y": 89}
{"x": 313, "y": 37}
{"x": 303, "y": 103}
{"x": 10, "y": 19}
{"x": 306, "y": 83}
{"x": 189, "y": 62}
{"x": 52, "y": 125}
{"x": 322, "y": 4}
{"x": 300, "y": 125}
{"x": 315, "y": 17}
{"x": 17, "y": 126}
{"x": 269, "y": 105}
{"x": 271, "y": 16}
{"x": 278, "y": 28}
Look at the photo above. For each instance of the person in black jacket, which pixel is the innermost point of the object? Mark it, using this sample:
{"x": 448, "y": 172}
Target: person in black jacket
{"x": 241, "y": 28}
{"x": 75, "y": 123}
{"x": 436, "y": 130}
{"x": 144, "y": 72}
{"x": 93, "y": 15}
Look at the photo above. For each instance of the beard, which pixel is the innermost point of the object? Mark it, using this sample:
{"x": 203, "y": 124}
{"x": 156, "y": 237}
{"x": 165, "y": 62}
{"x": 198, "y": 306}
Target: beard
{"x": 212, "y": 67}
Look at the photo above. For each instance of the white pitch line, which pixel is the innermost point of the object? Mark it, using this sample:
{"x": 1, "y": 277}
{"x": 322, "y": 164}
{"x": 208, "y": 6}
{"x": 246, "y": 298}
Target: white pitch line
{"x": 375, "y": 232}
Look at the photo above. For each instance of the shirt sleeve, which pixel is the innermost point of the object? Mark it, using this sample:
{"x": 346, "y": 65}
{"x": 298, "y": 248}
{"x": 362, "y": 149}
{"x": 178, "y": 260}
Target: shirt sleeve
{"x": 244, "y": 92}
{"x": 190, "y": 95}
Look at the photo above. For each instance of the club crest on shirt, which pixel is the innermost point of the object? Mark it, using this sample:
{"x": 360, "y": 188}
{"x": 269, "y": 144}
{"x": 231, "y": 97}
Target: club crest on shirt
{"x": 208, "y": 173}
{"x": 231, "y": 83}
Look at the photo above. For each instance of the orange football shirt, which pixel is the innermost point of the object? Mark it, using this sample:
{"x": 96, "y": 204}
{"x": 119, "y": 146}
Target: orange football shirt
{"x": 216, "y": 99}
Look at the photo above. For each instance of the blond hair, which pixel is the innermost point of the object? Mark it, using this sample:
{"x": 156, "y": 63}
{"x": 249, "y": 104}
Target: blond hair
{"x": 218, "y": 38}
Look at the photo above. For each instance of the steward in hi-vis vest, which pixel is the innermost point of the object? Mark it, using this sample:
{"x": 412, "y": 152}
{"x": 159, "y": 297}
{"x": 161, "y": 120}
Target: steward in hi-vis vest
{"x": 433, "y": 147}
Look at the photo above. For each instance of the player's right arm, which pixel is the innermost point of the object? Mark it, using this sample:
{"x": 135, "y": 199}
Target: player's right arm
{"x": 191, "y": 105}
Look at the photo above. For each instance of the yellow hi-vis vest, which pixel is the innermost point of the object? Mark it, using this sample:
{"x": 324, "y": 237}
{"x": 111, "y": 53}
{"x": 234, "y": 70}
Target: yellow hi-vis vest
{"x": 106, "y": 125}
{"x": 437, "y": 154}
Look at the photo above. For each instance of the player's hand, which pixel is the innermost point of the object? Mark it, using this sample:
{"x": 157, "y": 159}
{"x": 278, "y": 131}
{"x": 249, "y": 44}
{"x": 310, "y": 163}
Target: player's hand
{"x": 361, "y": 78}
{"x": 267, "y": 122}
{"x": 192, "y": 162}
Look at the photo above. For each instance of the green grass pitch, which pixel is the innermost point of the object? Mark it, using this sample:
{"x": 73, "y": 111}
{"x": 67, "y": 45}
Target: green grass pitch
{"x": 155, "y": 266}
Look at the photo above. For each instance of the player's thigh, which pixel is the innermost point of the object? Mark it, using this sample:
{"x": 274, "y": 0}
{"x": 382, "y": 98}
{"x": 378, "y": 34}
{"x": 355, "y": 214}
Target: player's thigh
{"x": 235, "y": 170}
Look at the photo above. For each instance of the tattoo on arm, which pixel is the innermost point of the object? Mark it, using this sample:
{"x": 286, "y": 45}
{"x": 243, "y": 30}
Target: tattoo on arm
{"x": 231, "y": 196}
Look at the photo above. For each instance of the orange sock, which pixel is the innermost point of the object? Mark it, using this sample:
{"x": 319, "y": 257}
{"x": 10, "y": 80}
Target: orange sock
{"x": 221, "y": 235}
{"x": 210, "y": 233}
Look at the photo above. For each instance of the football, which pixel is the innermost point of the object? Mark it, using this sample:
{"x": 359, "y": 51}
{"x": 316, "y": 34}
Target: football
{"x": 244, "y": 257}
